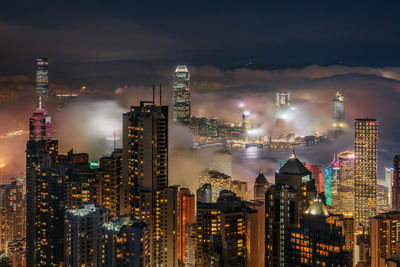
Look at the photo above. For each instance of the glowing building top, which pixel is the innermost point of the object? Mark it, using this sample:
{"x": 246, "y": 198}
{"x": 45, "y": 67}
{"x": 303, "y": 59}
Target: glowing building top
{"x": 338, "y": 112}
{"x": 181, "y": 100}
{"x": 42, "y": 80}
{"x": 282, "y": 100}
{"x": 40, "y": 125}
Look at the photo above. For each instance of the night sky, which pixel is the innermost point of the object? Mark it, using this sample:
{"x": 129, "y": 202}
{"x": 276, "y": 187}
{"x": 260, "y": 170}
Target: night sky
{"x": 236, "y": 52}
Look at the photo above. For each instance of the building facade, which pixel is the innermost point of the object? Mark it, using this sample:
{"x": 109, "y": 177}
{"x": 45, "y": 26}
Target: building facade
{"x": 181, "y": 100}
{"x": 365, "y": 169}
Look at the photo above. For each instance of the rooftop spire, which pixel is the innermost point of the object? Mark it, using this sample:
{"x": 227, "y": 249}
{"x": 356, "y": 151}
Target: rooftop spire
{"x": 293, "y": 155}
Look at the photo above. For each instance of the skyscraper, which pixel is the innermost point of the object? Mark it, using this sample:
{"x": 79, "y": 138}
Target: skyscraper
{"x": 385, "y": 241}
{"x": 217, "y": 180}
{"x": 181, "y": 100}
{"x": 285, "y": 203}
{"x": 338, "y": 112}
{"x": 282, "y": 100}
{"x": 185, "y": 216}
{"x": 40, "y": 126}
{"x": 145, "y": 154}
{"x": 365, "y": 169}
{"x": 42, "y": 80}
{"x": 396, "y": 183}
{"x": 346, "y": 185}
{"x": 43, "y": 191}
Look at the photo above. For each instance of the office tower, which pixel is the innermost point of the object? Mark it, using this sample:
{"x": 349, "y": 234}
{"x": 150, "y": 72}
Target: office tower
{"x": 208, "y": 221}
{"x": 382, "y": 201}
{"x": 204, "y": 194}
{"x": 16, "y": 252}
{"x": 365, "y": 169}
{"x": 285, "y": 203}
{"x": 345, "y": 205}
{"x": 190, "y": 244}
{"x": 124, "y": 242}
{"x": 42, "y": 80}
{"x": 165, "y": 247}
{"x": 81, "y": 235}
{"x": 42, "y": 192}
{"x": 388, "y": 184}
{"x": 240, "y": 189}
{"x": 206, "y": 127}
{"x": 332, "y": 183}
{"x": 338, "y": 112}
{"x": 79, "y": 180}
{"x": 261, "y": 186}
{"x": 40, "y": 126}
{"x": 110, "y": 181}
{"x": 222, "y": 162}
{"x": 12, "y": 214}
{"x": 282, "y": 100}
{"x": 246, "y": 124}
{"x": 145, "y": 154}
{"x": 217, "y": 180}
{"x": 255, "y": 233}
{"x": 396, "y": 183}
{"x": 181, "y": 100}
{"x": 316, "y": 242}
{"x": 348, "y": 231}
{"x": 385, "y": 241}
{"x": 186, "y": 206}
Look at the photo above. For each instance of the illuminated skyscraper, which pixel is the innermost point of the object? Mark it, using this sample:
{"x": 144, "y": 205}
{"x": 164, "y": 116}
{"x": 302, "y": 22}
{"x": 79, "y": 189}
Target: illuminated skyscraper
{"x": 181, "y": 100}
{"x": 42, "y": 80}
{"x": 396, "y": 183}
{"x": 388, "y": 184}
{"x": 185, "y": 216}
{"x": 217, "y": 180}
{"x": 385, "y": 240}
{"x": 40, "y": 126}
{"x": 285, "y": 203}
{"x": 338, "y": 112}
{"x": 43, "y": 199}
{"x": 282, "y": 100}
{"x": 365, "y": 169}
{"x": 110, "y": 180}
{"x": 346, "y": 185}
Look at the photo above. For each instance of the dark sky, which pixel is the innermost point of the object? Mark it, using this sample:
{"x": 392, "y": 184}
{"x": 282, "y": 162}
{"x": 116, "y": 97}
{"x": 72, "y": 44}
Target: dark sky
{"x": 218, "y": 33}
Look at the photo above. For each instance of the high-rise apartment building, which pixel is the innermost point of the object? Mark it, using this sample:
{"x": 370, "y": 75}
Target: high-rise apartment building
{"x": 12, "y": 214}
{"x": 181, "y": 100}
{"x": 285, "y": 203}
{"x": 42, "y": 80}
{"x": 190, "y": 244}
{"x": 81, "y": 235}
{"x": 186, "y": 215}
{"x": 110, "y": 181}
{"x": 365, "y": 169}
{"x": 145, "y": 154}
{"x": 124, "y": 242}
{"x": 338, "y": 112}
{"x": 396, "y": 183}
{"x": 385, "y": 237}
{"x": 16, "y": 252}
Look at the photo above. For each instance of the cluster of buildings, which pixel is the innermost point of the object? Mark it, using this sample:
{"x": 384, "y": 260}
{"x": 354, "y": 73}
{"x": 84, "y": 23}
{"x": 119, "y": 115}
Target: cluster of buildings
{"x": 122, "y": 210}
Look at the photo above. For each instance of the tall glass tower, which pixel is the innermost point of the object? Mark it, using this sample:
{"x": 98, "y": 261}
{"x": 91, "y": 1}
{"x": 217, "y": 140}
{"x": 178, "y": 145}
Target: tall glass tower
{"x": 42, "y": 80}
{"x": 365, "y": 169}
{"x": 181, "y": 96}
{"x": 338, "y": 112}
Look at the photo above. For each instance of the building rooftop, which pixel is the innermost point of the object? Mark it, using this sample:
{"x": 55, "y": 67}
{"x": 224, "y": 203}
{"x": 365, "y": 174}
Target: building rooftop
{"x": 317, "y": 208}
{"x": 294, "y": 166}
{"x": 260, "y": 179}
{"x": 84, "y": 210}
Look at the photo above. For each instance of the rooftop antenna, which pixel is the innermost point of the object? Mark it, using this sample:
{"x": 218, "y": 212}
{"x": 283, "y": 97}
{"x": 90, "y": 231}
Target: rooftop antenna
{"x": 153, "y": 93}
{"x": 40, "y": 101}
{"x": 160, "y": 94}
